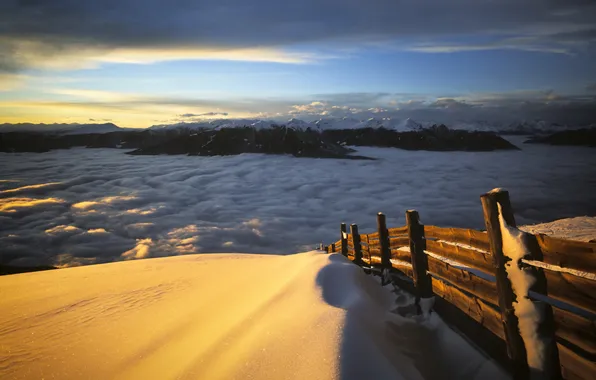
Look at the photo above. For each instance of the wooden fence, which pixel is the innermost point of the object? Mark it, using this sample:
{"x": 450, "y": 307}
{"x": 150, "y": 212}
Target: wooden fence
{"x": 467, "y": 272}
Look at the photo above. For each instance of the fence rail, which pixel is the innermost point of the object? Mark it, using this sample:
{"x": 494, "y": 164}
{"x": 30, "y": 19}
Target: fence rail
{"x": 469, "y": 273}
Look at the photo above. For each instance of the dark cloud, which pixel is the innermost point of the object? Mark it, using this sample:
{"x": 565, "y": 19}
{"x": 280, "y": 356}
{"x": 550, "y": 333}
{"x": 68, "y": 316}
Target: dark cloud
{"x": 32, "y": 30}
{"x": 185, "y": 115}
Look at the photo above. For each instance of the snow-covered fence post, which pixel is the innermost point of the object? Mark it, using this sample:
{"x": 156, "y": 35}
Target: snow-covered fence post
{"x": 383, "y": 240}
{"x": 422, "y": 280}
{"x": 547, "y": 327}
{"x": 357, "y": 245}
{"x": 344, "y": 239}
{"x": 515, "y": 344}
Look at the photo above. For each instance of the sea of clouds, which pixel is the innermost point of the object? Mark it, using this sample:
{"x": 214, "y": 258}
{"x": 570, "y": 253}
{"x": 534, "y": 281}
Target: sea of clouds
{"x": 83, "y": 206}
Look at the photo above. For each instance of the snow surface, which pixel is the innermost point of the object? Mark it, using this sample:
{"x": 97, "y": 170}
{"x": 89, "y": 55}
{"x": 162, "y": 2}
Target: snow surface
{"x": 169, "y": 205}
{"x": 581, "y": 228}
{"x": 222, "y": 316}
{"x": 529, "y": 313}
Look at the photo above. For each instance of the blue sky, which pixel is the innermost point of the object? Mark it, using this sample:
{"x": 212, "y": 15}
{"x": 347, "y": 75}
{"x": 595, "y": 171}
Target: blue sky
{"x": 138, "y": 63}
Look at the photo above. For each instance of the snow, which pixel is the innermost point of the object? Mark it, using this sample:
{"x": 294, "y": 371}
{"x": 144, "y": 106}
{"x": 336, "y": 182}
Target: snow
{"x": 426, "y": 305}
{"x": 556, "y": 268}
{"x": 529, "y": 313}
{"x": 388, "y": 122}
{"x": 317, "y": 125}
{"x": 222, "y": 316}
{"x": 581, "y": 228}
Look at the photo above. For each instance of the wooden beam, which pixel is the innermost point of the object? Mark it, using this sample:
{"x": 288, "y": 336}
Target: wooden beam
{"x": 398, "y": 254}
{"x": 473, "y": 238}
{"x": 422, "y": 280}
{"x": 402, "y": 241}
{"x": 481, "y": 288}
{"x": 568, "y": 254}
{"x": 397, "y": 231}
{"x": 357, "y": 244}
{"x": 515, "y": 344}
{"x": 344, "y": 239}
{"x": 383, "y": 240}
{"x": 574, "y": 366}
{"x": 546, "y": 326}
{"x": 475, "y": 259}
{"x": 477, "y": 309}
{"x": 576, "y": 329}
{"x": 574, "y": 290}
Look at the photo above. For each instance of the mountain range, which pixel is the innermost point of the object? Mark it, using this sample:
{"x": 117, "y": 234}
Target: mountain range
{"x": 529, "y": 127}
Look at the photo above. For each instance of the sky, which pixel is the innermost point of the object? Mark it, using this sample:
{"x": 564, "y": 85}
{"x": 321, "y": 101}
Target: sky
{"x": 143, "y": 62}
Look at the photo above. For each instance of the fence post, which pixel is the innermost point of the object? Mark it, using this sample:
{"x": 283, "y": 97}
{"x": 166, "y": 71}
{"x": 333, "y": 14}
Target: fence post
{"x": 547, "y": 327}
{"x": 344, "y": 239}
{"x": 422, "y": 280}
{"x": 383, "y": 240}
{"x": 515, "y": 344}
{"x": 332, "y": 248}
{"x": 357, "y": 245}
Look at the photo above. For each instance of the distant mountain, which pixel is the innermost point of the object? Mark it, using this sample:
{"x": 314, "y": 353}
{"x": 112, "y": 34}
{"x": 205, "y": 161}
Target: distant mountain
{"x": 297, "y": 124}
{"x": 578, "y": 137}
{"x": 524, "y": 127}
{"x": 66, "y": 129}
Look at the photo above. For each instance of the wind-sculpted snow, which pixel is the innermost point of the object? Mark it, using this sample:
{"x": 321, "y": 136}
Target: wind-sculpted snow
{"x": 79, "y": 206}
{"x": 223, "y": 316}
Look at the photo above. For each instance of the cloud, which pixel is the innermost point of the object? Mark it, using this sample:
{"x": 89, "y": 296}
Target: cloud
{"x": 187, "y": 115}
{"x": 12, "y": 205}
{"x": 591, "y": 87}
{"x": 284, "y": 205}
{"x": 140, "y": 251}
{"x": 63, "y": 34}
{"x": 515, "y": 106}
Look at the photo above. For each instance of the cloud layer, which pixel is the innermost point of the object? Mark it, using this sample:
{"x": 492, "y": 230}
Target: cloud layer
{"x": 101, "y": 205}
{"x": 50, "y": 33}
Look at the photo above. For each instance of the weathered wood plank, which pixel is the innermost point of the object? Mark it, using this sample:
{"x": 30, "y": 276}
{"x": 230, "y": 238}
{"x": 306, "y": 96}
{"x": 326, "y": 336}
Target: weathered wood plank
{"x": 375, "y": 260}
{"x": 402, "y": 267}
{"x": 573, "y": 366}
{"x": 477, "y": 309}
{"x": 577, "y": 291}
{"x": 469, "y": 257}
{"x": 481, "y": 288}
{"x": 375, "y": 251}
{"x": 576, "y": 329}
{"x": 343, "y": 238}
{"x": 402, "y": 241}
{"x": 373, "y": 235}
{"x": 357, "y": 244}
{"x": 395, "y": 231}
{"x": 398, "y": 254}
{"x": 473, "y": 238}
{"x": 422, "y": 281}
{"x": 568, "y": 253}
{"x": 374, "y": 244}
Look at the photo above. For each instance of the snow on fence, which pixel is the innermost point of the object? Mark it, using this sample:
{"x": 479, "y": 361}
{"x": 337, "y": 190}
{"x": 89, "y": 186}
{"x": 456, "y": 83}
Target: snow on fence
{"x": 527, "y": 300}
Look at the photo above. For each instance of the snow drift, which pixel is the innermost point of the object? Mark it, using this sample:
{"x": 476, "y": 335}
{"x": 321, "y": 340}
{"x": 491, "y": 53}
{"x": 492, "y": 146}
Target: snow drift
{"x": 302, "y": 316}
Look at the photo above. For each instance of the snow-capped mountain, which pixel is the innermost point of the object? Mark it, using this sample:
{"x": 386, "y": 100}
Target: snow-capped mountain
{"x": 65, "y": 129}
{"x": 396, "y": 124}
